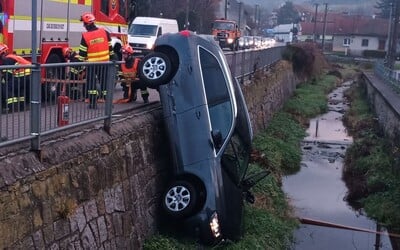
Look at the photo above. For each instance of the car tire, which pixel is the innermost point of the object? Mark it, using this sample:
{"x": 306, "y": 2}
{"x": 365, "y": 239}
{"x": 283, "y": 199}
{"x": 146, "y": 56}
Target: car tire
{"x": 155, "y": 69}
{"x": 180, "y": 199}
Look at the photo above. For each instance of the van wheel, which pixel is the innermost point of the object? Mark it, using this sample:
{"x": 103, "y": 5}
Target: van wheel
{"x": 155, "y": 69}
{"x": 180, "y": 199}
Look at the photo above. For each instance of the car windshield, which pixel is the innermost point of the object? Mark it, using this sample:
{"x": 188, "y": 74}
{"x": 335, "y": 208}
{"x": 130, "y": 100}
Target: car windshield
{"x": 224, "y": 26}
{"x": 142, "y": 30}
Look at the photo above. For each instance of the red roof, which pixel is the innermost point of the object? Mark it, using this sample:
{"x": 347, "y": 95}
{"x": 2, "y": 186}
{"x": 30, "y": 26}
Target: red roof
{"x": 340, "y": 24}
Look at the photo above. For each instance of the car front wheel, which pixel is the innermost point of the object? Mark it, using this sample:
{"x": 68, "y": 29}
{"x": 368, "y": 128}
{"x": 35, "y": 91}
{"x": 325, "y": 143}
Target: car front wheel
{"x": 155, "y": 69}
{"x": 180, "y": 199}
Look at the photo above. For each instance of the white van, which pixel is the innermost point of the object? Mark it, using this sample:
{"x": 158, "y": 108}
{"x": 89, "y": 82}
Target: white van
{"x": 143, "y": 31}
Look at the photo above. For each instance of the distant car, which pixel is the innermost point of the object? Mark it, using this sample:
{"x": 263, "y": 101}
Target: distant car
{"x": 209, "y": 133}
{"x": 241, "y": 42}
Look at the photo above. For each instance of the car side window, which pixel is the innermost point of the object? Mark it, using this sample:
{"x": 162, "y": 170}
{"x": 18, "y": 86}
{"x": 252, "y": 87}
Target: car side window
{"x": 217, "y": 94}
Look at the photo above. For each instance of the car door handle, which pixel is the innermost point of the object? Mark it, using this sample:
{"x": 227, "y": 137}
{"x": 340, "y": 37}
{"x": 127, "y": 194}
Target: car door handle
{"x": 198, "y": 115}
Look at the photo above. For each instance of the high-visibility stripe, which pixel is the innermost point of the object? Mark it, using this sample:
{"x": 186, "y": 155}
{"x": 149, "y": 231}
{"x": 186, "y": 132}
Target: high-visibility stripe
{"x": 12, "y": 100}
{"x": 25, "y": 23}
{"x": 81, "y": 2}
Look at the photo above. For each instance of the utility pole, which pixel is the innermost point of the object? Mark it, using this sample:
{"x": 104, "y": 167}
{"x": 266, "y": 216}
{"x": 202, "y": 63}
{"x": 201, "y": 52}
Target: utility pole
{"x": 393, "y": 49}
{"x": 315, "y": 23}
{"x": 324, "y": 29}
{"x": 240, "y": 14}
{"x": 256, "y": 15}
{"x": 389, "y": 38}
{"x": 226, "y": 9}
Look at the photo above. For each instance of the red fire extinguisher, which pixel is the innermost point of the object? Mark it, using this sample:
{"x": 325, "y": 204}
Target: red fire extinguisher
{"x": 63, "y": 114}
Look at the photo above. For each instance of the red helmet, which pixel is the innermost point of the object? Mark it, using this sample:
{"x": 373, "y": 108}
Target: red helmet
{"x": 87, "y": 18}
{"x": 67, "y": 51}
{"x": 3, "y": 48}
{"x": 126, "y": 49}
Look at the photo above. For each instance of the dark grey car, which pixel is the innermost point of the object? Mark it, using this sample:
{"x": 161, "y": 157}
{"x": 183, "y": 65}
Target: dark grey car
{"x": 209, "y": 134}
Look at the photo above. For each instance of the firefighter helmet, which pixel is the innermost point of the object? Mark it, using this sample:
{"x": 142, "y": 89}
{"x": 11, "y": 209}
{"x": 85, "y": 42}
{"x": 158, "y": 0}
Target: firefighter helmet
{"x": 3, "y": 48}
{"x": 87, "y": 18}
{"x": 67, "y": 51}
{"x": 126, "y": 49}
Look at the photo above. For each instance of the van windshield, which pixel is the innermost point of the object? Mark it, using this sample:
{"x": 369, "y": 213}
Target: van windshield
{"x": 143, "y": 30}
{"x": 223, "y": 26}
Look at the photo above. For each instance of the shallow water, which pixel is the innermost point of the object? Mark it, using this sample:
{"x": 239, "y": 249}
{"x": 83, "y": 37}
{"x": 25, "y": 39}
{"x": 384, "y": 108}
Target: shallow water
{"x": 317, "y": 191}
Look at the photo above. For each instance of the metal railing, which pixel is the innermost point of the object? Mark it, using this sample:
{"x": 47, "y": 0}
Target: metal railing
{"x": 389, "y": 76}
{"x": 245, "y": 63}
{"x": 34, "y": 103}
{"x": 43, "y": 88}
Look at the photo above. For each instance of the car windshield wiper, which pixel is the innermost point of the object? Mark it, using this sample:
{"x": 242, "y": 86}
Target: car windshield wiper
{"x": 253, "y": 179}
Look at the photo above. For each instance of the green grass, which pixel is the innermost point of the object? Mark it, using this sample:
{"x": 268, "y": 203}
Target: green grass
{"x": 310, "y": 98}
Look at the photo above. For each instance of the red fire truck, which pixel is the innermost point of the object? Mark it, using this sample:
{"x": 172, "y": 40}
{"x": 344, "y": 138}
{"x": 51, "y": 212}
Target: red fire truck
{"x": 58, "y": 25}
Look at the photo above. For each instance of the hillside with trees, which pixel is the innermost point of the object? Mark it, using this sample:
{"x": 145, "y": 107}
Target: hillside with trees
{"x": 200, "y": 14}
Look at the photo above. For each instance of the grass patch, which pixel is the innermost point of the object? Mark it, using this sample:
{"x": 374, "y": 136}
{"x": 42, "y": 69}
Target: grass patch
{"x": 370, "y": 164}
{"x": 310, "y": 99}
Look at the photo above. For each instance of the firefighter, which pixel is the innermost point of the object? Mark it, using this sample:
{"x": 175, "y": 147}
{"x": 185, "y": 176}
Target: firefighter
{"x": 95, "y": 46}
{"x": 128, "y": 73}
{"x": 15, "y": 82}
{"x": 76, "y": 74}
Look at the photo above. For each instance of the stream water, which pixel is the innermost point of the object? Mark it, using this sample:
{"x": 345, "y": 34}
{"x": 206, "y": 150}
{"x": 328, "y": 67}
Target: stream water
{"x": 317, "y": 191}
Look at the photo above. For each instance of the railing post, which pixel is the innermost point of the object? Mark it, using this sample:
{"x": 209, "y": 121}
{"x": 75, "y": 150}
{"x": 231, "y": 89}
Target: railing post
{"x": 35, "y": 107}
{"x": 234, "y": 65}
{"x": 111, "y": 80}
{"x": 242, "y": 68}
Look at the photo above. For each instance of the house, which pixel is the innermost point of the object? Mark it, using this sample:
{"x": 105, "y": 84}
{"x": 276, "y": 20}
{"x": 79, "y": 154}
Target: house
{"x": 284, "y": 32}
{"x": 347, "y": 34}
{"x": 355, "y": 34}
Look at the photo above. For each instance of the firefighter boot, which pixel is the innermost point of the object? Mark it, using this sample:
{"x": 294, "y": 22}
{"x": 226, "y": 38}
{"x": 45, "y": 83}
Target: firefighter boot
{"x": 125, "y": 89}
{"x": 145, "y": 98}
{"x": 145, "y": 95}
{"x": 92, "y": 101}
{"x": 133, "y": 95}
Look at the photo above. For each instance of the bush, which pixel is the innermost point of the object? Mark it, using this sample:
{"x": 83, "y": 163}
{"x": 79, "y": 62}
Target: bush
{"x": 374, "y": 53}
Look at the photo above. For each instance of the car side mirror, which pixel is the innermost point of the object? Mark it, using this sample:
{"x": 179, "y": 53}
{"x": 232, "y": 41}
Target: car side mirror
{"x": 217, "y": 138}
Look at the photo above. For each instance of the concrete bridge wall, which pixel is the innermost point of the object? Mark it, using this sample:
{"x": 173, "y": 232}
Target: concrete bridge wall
{"x": 90, "y": 189}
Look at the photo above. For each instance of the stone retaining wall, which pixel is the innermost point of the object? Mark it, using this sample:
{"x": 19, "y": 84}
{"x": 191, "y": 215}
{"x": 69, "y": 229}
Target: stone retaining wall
{"x": 93, "y": 190}
{"x": 385, "y": 103}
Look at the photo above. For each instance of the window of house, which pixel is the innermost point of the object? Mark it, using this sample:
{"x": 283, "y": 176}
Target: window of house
{"x": 364, "y": 43}
{"x": 346, "y": 42}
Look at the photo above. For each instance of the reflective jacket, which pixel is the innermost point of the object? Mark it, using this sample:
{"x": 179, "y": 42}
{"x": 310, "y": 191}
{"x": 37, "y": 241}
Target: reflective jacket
{"x": 128, "y": 69}
{"x": 19, "y": 61}
{"x": 97, "y": 45}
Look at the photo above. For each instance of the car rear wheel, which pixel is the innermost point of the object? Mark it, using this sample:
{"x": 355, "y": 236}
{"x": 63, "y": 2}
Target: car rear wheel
{"x": 180, "y": 199}
{"x": 155, "y": 69}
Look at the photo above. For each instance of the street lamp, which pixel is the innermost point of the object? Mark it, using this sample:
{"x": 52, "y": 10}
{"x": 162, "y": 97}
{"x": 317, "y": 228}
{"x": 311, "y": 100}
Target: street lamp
{"x": 226, "y": 9}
